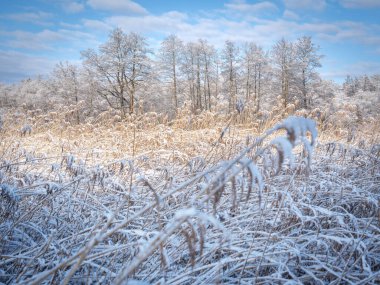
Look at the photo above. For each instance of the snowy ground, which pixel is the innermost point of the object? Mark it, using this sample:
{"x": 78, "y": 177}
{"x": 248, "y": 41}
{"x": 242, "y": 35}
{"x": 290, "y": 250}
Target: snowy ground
{"x": 107, "y": 202}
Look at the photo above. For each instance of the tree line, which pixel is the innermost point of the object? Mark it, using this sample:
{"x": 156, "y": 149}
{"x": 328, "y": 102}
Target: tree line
{"x": 353, "y": 84}
{"x": 126, "y": 74}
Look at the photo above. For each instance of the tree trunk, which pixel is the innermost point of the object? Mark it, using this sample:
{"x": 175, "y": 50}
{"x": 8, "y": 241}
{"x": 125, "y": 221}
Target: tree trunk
{"x": 76, "y": 101}
{"x": 209, "y": 93}
{"x": 231, "y": 87}
{"x": 255, "y": 83}
{"x": 217, "y": 79}
{"x": 133, "y": 87}
{"x": 248, "y": 91}
{"x": 259, "y": 91}
{"x": 122, "y": 109}
{"x": 132, "y": 99}
{"x": 175, "y": 84}
{"x": 304, "y": 91}
{"x": 199, "y": 95}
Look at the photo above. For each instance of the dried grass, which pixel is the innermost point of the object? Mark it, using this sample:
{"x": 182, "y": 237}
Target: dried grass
{"x": 114, "y": 201}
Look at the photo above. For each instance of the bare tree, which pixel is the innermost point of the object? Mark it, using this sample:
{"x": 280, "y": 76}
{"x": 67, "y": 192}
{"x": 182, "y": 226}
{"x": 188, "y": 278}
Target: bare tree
{"x": 120, "y": 66}
{"x": 230, "y": 65}
{"x": 6, "y": 98}
{"x": 208, "y": 60}
{"x": 66, "y": 83}
{"x": 255, "y": 63}
{"x": 200, "y": 68}
{"x": 349, "y": 86}
{"x": 284, "y": 63}
{"x": 191, "y": 70}
{"x": 170, "y": 56}
{"x": 308, "y": 60}
{"x": 33, "y": 93}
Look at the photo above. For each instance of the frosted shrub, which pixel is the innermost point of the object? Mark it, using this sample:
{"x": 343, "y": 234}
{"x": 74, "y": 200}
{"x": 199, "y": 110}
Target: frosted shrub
{"x": 27, "y": 129}
{"x": 179, "y": 206}
{"x": 239, "y": 106}
{"x": 297, "y": 129}
{"x": 8, "y": 201}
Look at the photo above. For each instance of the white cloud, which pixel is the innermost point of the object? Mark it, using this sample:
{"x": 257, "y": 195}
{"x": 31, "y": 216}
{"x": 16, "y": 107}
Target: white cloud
{"x": 345, "y": 31}
{"x": 218, "y": 29}
{"x": 96, "y": 25}
{"x": 48, "y": 39}
{"x": 167, "y": 23}
{"x": 215, "y": 30}
{"x": 317, "y": 5}
{"x": 31, "y": 41}
{"x": 70, "y": 26}
{"x": 290, "y": 15}
{"x": 340, "y": 71}
{"x": 15, "y": 66}
{"x": 242, "y": 6}
{"x": 360, "y": 3}
{"x": 73, "y": 7}
{"x": 122, "y": 6}
{"x": 38, "y": 18}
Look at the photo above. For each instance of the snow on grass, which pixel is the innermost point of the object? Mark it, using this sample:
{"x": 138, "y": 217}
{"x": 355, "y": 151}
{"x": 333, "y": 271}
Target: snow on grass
{"x": 161, "y": 205}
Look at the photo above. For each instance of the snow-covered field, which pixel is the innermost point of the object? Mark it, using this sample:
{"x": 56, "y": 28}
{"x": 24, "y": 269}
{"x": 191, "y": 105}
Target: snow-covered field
{"x": 213, "y": 201}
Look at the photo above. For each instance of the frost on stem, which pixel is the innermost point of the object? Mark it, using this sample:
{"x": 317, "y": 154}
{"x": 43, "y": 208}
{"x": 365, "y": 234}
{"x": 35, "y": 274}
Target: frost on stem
{"x": 239, "y": 106}
{"x": 8, "y": 200}
{"x": 26, "y": 130}
{"x": 191, "y": 223}
{"x": 284, "y": 149}
{"x": 8, "y": 192}
{"x": 52, "y": 187}
{"x": 254, "y": 177}
{"x": 69, "y": 159}
{"x": 297, "y": 129}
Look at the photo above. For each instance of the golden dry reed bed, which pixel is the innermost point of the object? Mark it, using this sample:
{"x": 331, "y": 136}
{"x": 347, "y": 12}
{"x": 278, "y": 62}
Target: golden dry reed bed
{"x": 272, "y": 198}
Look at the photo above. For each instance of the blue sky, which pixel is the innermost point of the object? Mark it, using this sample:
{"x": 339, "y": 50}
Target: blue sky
{"x": 35, "y": 35}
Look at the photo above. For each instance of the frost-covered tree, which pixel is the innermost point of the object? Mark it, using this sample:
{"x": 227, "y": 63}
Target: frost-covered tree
{"x": 366, "y": 83}
{"x": 120, "y": 66}
{"x": 230, "y": 70}
{"x": 6, "y": 98}
{"x": 196, "y": 68}
{"x": 349, "y": 86}
{"x": 209, "y": 58}
{"x": 200, "y": 71}
{"x": 255, "y": 63}
{"x": 308, "y": 60}
{"x": 65, "y": 82}
{"x": 33, "y": 94}
{"x": 283, "y": 58}
{"x": 170, "y": 57}
{"x": 375, "y": 80}
{"x": 188, "y": 68}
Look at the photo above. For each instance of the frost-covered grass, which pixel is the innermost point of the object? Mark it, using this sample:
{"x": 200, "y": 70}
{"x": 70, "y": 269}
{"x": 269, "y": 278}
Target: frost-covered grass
{"x": 111, "y": 201}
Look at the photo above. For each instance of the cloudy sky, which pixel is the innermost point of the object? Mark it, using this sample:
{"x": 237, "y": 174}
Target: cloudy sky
{"x": 36, "y": 34}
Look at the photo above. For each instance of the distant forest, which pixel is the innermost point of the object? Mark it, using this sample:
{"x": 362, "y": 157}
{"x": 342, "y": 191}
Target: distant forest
{"x": 125, "y": 74}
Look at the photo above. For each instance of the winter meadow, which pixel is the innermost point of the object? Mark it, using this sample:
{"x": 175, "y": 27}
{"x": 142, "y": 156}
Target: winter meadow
{"x": 190, "y": 163}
